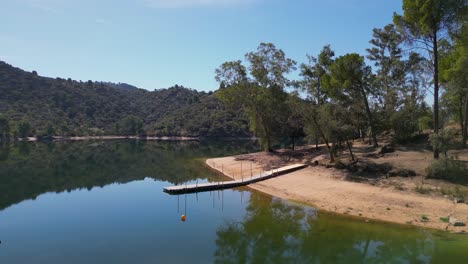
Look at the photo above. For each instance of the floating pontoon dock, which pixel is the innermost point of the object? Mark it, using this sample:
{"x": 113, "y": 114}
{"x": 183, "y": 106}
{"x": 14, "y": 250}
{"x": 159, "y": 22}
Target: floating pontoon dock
{"x": 210, "y": 186}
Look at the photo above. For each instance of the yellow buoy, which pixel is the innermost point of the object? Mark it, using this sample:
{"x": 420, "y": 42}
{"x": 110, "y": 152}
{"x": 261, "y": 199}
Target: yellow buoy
{"x": 182, "y": 218}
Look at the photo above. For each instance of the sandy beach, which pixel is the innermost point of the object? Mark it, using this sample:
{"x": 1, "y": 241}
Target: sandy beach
{"x": 84, "y": 138}
{"x": 327, "y": 189}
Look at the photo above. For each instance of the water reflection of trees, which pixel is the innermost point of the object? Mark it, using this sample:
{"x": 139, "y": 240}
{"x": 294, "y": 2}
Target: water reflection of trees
{"x": 274, "y": 231}
{"x": 30, "y": 169}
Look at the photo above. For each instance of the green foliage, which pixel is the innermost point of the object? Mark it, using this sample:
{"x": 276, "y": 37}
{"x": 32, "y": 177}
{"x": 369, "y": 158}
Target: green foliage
{"x": 460, "y": 192}
{"x": 421, "y": 18}
{"x": 50, "y": 130}
{"x": 444, "y": 140}
{"x": 424, "y": 123}
{"x": 449, "y": 169}
{"x": 422, "y": 190}
{"x": 454, "y": 76}
{"x": 96, "y": 108}
{"x": 207, "y": 118}
{"x": 405, "y": 124}
{"x": 315, "y": 75}
{"x": 24, "y": 129}
{"x": 296, "y": 120}
{"x": 259, "y": 91}
{"x": 444, "y": 219}
{"x": 349, "y": 77}
{"x": 130, "y": 125}
{"x": 386, "y": 54}
{"x": 4, "y": 127}
{"x": 397, "y": 84}
{"x": 424, "y": 25}
{"x": 349, "y": 83}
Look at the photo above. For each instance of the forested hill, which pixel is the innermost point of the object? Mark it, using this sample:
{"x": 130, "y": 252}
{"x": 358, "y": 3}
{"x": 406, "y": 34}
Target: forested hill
{"x": 36, "y": 105}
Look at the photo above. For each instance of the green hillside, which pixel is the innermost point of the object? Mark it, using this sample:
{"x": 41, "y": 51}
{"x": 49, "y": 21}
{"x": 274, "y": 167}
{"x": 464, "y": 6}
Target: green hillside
{"x": 67, "y": 107}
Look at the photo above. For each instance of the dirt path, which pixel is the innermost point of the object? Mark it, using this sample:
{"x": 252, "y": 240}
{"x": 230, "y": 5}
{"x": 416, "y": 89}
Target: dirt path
{"x": 326, "y": 189}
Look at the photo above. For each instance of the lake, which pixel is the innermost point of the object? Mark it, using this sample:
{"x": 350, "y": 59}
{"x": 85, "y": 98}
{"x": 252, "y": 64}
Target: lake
{"x": 102, "y": 202}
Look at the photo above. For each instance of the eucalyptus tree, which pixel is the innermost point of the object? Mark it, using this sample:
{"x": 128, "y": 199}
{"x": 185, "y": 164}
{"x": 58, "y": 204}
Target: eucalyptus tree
{"x": 424, "y": 24}
{"x": 259, "y": 89}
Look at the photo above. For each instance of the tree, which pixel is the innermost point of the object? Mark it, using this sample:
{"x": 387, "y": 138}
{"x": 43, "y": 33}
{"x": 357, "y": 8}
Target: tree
{"x": 50, "y": 130}
{"x": 4, "y": 127}
{"x": 424, "y": 24}
{"x": 444, "y": 141}
{"x": 130, "y": 126}
{"x": 315, "y": 75}
{"x": 349, "y": 82}
{"x": 295, "y": 121}
{"x": 260, "y": 90}
{"x": 24, "y": 129}
{"x": 454, "y": 69}
{"x": 386, "y": 54}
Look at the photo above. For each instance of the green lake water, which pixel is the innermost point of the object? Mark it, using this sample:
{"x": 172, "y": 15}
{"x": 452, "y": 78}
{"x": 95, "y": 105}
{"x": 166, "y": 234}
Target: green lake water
{"x": 102, "y": 202}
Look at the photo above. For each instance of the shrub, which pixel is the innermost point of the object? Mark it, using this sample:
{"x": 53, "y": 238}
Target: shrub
{"x": 24, "y": 129}
{"x": 425, "y": 123}
{"x": 448, "y": 169}
{"x": 444, "y": 141}
{"x": 404, "y": 124}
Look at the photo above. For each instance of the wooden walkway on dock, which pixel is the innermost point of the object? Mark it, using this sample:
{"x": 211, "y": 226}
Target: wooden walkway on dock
{"x": 210, "y": 186}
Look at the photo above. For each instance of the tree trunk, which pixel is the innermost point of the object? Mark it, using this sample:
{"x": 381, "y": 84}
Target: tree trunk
{"x": 268, "y": 141}
{"x": 361, "y": 130}
{"x": 267, "y": 138}
{"x": 369, "y": 117}
{"x": 350, "y": 150}
{"x": 436, "y": 90}
{"x": 461, "y": 119}
{"x": 332, "y": 158}
{"x": 266, "y": 131}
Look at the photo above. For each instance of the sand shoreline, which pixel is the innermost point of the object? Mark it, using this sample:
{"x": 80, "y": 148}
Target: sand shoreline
{"x": 326, "y": 189}
{"x": 84, "y": 138}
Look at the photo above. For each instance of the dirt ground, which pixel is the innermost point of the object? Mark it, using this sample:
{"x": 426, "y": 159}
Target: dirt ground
{"x": 406, "y": 200}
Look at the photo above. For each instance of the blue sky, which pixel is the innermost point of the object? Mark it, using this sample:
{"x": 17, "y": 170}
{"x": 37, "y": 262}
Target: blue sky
{"x": 155, "y": 44}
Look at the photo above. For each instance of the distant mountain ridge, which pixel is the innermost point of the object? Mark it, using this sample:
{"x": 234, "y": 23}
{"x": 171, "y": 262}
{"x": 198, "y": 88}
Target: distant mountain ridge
{"x": 102, "y": 108}
{"x": 123, "y": 86}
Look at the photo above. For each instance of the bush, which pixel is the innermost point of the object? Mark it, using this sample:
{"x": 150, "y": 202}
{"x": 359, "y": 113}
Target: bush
{"x": 24, "y": 129}
{"x": 425, "y": 123}
{"x": 449, "y": 169}
{"x": 404, "y": 126}
{"x": 444, "y": 141}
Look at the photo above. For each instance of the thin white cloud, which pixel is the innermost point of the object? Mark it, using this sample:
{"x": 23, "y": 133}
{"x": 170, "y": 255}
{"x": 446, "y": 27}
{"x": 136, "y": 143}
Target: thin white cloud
{"x": 197, "y": 3}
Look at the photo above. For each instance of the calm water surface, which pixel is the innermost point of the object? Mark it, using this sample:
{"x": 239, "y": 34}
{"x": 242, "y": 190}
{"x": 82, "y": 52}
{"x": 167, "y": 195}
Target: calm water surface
{"x": 102, "y": 202}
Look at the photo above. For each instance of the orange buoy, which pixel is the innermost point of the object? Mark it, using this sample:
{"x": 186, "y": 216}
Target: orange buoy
{"x": 182, "y": 218}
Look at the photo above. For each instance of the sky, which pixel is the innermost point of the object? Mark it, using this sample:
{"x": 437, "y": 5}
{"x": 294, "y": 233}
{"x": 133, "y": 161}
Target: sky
{"x": 155, "y": 44}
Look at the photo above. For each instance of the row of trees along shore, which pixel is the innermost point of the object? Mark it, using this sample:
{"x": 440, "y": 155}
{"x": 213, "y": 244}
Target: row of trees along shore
{"x": 337, "y": 99}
